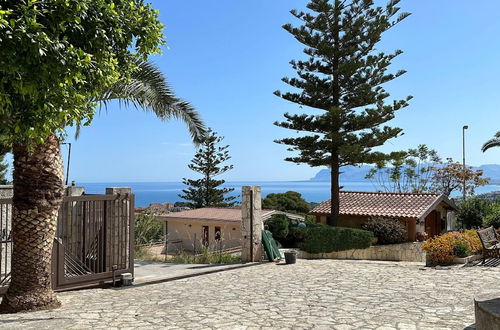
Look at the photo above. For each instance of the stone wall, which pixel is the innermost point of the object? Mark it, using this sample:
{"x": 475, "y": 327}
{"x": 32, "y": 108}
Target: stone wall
{"x": 190, "y": 234}
{"x": 394, "y": 252}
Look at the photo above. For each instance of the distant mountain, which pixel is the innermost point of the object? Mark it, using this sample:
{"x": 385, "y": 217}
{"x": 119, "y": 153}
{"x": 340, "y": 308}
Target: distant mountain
{"x": 491, "y": 171}
{"x": 357, "y": 174}
{"x": 349, "y": 173}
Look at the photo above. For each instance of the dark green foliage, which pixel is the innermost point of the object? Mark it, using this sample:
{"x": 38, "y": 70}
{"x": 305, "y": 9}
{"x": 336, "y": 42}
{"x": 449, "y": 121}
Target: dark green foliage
{"x": 343, "y": 78}
{"x": 278, "y": 225}
{"x": 3, "y": 170}
{"x": 208, "y": 162}
{"x": 147, "y": 229}
{"x": 388, "y": 231}
{"x": 181, "y": 204}
{"x": 471, "y": 213}
{"x": 296, "y": 235}
{"x": 493, "y": 215}
{"x": 58, "y": 57}
{"x": 290, "y": 201}
{"x": 461, "y": 249}
{"x": 325, "y": 239}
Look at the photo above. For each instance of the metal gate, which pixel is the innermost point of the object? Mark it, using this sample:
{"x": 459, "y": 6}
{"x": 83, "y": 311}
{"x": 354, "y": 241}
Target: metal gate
{"x": 93, "y": 245}
{"x": 5, "y": 241}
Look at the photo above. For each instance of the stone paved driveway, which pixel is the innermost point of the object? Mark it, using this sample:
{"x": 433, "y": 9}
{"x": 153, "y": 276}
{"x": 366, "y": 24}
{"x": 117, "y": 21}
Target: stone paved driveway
{"x": 322, "y": 294}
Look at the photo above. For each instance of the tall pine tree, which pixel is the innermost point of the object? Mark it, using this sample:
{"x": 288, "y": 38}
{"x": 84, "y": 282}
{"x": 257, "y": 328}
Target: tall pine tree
{"x": 343, "y": 78}
{"x": 208, "y": 161}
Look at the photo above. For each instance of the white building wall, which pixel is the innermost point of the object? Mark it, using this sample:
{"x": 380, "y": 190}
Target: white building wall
{"x": 191, "y": 234}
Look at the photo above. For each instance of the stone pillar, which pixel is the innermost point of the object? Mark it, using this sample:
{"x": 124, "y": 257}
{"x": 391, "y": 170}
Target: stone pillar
{"x": 72, "y": 218}
{"x": 251, "y": 214}
{"x": 6, "y": 191}
{"x": 74, "y": 191}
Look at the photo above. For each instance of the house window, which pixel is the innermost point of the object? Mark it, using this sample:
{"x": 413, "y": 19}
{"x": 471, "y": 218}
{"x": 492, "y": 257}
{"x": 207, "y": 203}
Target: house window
{"x": 218, "y": 234}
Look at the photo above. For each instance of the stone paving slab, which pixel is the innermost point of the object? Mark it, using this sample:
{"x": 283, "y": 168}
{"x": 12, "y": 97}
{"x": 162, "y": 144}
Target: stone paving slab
{"x": 150, "y": 271}
{"x": 312, "y": 294}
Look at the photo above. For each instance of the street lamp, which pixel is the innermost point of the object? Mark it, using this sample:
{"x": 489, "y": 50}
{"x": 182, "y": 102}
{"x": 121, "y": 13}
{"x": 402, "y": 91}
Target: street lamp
{"x": 69, "y": 159}
{"x": 463, "y": 153}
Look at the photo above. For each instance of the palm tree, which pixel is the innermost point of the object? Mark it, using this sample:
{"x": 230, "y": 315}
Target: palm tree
{"x": 495, "y": 142}
{"x": 39, "y": 189}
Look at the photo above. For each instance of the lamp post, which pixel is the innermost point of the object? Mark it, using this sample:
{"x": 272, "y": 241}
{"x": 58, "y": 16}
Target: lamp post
{"x": 69, "y": 159}
{"x": 463, "y": 154}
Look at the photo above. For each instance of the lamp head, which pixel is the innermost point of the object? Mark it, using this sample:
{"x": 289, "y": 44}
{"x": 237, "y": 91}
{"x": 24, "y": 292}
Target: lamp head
{"x": 466, "y": 127}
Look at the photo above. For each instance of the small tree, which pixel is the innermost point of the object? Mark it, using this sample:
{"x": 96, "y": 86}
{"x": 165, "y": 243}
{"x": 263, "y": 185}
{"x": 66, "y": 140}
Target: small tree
{"x": 450, "y": 177}
{"x": 57, "y": 59}
{"x": 290, "y": 201}
{"x": 493, "y": 215}
{"x": 411, "y": 171}
{"x": 472, "y": 213}
{"x": 208, "y": 161}
{"x": 342, "y": 80}
{"x": 279, "y": 225}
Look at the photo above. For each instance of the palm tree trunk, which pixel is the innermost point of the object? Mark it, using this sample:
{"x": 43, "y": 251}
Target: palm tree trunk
{"x": 38, "y": 192}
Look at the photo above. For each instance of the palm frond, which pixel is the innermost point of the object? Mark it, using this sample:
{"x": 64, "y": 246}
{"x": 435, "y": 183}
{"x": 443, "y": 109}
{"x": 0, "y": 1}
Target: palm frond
{"x": 495, "y": 142}
{"x": 148, "y": 89}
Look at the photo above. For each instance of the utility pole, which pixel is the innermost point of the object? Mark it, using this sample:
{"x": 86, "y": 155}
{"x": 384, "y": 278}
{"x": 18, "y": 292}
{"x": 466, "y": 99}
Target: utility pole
{"x": 463, "y": 154}
{"x": 69, "y": 159}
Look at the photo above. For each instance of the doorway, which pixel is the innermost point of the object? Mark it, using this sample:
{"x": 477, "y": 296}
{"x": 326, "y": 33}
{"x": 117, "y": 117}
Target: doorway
{"x": 433, "y": 224}
{"x": 205, "y": 238}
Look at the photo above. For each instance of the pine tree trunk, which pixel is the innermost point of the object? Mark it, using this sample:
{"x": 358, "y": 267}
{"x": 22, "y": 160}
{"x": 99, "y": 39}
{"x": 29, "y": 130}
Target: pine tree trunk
{"x": 38, "y": 192}
{"x": 333, "y": 220}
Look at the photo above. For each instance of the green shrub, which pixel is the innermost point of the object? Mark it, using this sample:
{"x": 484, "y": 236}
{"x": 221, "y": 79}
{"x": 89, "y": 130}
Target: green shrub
{"x": 206, "y": 257}
{"x": 295, "y": 236}
{"x": 278, "y": 226}
{"x": 461, "y": 249}
{"x": 493, "y": 216}
{"x": 291, "y": 201}
{"x": 147, "y": 229}
{"x": 387, "y": 231}
{"x": 471, "y": 213}
{"x": 325, "y": 239}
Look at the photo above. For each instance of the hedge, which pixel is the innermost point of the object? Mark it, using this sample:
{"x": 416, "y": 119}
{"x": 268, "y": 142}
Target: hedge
{"x": 325, "y": 239}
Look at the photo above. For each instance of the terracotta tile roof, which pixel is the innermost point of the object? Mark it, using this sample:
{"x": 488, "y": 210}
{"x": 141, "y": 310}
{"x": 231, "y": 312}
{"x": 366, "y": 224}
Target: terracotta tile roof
{"x": 209, "y": 213}
{"x": 401, "y": 205}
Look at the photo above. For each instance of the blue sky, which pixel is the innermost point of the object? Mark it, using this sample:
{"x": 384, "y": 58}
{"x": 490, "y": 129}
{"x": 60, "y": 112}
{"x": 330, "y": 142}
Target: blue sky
{"x": 227, "y": 57}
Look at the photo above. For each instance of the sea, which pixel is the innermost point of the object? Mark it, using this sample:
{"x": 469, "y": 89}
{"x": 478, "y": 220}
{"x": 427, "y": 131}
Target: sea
{"x": 312, "y": 191}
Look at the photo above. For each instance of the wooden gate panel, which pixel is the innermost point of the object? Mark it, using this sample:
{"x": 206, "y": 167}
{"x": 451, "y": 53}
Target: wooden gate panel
{"x": 94, "y": 240}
